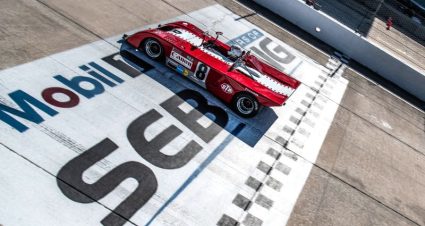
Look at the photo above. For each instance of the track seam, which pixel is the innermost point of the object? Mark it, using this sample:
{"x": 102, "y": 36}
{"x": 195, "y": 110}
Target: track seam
{"x": 74, "y": 22}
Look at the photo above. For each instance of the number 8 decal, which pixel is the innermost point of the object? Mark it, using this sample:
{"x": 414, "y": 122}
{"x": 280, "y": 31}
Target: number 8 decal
{"x": 201, "y": 71}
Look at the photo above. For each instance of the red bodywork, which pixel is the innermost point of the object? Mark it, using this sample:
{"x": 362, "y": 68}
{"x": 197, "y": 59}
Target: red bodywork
{"x": 218, "y": 78}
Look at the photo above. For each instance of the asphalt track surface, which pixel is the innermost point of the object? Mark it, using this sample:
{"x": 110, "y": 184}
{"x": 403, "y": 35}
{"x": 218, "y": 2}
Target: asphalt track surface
{"x": 343, "y": 151}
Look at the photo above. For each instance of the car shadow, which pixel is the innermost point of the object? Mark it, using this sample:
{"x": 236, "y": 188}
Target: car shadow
{"x": 253, "y": 128}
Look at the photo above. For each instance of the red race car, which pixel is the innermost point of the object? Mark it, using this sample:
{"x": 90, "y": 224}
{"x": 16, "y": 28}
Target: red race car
{"x": 230, "y": 73}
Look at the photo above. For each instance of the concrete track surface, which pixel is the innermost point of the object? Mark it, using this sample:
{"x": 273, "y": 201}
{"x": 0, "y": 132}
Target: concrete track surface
{"x": 92, "y": 137}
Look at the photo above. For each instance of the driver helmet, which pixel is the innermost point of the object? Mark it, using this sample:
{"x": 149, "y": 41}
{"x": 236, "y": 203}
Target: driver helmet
{"x": 235, "y": 52}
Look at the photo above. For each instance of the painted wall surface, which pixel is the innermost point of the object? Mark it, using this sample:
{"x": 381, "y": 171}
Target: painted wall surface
{"x": 353, "y": 45}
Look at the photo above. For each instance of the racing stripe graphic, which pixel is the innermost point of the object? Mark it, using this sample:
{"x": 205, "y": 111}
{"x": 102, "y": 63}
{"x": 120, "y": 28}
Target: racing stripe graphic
{"x": 196, "y": 41}
{"x": 266, "y": 81}
{"x": 274, "y": 85}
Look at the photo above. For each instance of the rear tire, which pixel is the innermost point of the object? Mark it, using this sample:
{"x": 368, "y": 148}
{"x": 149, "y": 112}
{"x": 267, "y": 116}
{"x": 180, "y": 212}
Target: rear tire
{"x": 153, "y": 49}
{"x": 245, "y": 105}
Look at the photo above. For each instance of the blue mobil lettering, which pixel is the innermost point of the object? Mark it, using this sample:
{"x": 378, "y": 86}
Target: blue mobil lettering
{"x": 98, "y": 77}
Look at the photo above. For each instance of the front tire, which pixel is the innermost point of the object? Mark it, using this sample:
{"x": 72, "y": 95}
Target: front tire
{"x": 246, "y": 105}
{"x": 153, "y": 49}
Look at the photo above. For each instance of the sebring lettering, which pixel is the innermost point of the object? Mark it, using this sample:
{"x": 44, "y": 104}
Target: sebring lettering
{"x": 99, "y": 78}
{"x": 70, "y": 176}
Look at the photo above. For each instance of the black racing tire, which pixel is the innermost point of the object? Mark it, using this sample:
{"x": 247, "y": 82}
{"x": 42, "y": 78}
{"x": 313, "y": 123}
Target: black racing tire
{"x": 153, "y": 49}
{"x": 245, "y": 105}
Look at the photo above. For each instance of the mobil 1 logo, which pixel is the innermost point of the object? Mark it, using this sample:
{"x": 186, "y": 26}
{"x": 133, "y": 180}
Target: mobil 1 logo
{"x": 27, "y": 109}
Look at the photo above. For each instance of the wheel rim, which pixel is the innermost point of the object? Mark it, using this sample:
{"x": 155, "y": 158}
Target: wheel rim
{"x": 245, "y": 105}
{"x": 153, "y": 49}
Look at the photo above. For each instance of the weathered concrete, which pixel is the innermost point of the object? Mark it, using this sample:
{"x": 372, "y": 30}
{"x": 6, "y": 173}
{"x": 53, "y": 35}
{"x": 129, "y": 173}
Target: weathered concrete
{"x": 111, "y": 17}
{"x": 29, "y": 31}
{"x": 375, "y": 162}
{"x": 328, "y": 201}
{"x": 375, "y": 145}
{"x": 33, "y": 29}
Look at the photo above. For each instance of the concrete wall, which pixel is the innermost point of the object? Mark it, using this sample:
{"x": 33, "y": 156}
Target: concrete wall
{"x": 345, "y": 40}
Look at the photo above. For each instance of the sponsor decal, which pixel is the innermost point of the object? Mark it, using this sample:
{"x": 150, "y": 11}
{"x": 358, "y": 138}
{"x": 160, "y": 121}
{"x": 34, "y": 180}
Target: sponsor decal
{"x": 172, "y": 64}
{"x": 177, "y": 67}
{"x": 227, "y": 88}
{"x": 185, "y": 61}
{"x": 180, "y": 69}
{"x": 186, "y": 72}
